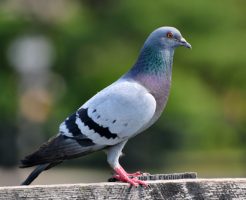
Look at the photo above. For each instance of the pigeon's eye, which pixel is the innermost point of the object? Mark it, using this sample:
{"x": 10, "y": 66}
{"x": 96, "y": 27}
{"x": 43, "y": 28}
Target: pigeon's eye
{"x": 169, "y": 35}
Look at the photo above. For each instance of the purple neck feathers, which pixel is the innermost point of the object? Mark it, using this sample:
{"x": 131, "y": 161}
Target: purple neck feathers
{"x": 153, "y": 70}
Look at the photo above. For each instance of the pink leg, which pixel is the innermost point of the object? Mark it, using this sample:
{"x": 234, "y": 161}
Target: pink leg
{"x": 123, "y": 176}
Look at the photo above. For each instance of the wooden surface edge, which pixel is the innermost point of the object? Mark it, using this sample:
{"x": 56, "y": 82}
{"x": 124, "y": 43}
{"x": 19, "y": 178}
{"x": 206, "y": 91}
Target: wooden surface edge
{"x": 222, "y": 188}
{"x": 101, "y": 184}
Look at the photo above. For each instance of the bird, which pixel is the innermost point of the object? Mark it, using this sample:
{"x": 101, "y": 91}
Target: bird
{"x": 117, "y": 113}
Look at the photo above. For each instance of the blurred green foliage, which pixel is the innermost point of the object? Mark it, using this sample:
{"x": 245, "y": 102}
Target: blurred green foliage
{"x": 97, "y": 41}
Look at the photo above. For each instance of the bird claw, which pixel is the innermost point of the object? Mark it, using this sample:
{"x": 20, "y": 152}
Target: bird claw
{"x": 138, "y": 173}
{"x": 135, "y": 174}
{"x": 133, "y": 181}
{"x": 139, "y": 182}
{"x": 123, "y": 176}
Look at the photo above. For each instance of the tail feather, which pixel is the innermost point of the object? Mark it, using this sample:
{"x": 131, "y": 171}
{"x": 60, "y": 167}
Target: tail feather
{"x": 56, "y": 150}
{"x": 34, "y": 174}
{"x": 38, "y": 170}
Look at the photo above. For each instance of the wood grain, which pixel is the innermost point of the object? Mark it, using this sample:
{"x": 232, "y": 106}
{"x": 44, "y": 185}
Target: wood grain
{"x": 199, "y": 189}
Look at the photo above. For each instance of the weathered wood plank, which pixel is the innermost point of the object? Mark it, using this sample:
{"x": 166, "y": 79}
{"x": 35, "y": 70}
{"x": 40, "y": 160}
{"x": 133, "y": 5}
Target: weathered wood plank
{"x": 198, "y": 189}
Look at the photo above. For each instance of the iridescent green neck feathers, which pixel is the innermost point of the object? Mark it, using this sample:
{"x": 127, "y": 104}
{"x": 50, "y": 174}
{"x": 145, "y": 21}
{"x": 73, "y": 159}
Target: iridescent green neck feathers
{"x": 153, "y": 61}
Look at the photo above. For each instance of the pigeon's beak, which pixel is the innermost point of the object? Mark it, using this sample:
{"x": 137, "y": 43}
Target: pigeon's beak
{"x": 184, "y": 43}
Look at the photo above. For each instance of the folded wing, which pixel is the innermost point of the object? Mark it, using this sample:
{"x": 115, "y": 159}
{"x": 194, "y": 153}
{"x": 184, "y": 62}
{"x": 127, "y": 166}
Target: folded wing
{"x": 117, "y": 113}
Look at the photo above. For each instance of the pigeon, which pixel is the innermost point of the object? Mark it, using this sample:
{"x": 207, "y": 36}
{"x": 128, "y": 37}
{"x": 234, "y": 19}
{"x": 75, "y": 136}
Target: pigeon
{"x": 117, "y": 113}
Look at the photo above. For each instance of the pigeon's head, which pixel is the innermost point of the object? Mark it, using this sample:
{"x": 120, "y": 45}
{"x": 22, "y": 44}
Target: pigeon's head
{"x": 166, "y": 38}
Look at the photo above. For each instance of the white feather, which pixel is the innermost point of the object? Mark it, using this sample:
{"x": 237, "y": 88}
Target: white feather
{"x": 94, "y": 136}
{"x": 125, "y": 108}
{"x": 63, "y": 129}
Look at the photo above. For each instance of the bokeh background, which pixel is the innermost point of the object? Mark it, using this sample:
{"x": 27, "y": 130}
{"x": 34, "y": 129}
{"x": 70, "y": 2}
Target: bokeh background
{"x": 54, "y": 55}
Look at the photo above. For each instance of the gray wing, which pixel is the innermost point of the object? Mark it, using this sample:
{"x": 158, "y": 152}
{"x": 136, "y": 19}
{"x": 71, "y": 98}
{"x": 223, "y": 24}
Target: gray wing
{"x": 113, "y": 115}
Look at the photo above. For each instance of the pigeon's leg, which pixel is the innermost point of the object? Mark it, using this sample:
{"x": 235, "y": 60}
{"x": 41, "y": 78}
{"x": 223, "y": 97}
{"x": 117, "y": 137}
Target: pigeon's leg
{"x": 113, "y": 154}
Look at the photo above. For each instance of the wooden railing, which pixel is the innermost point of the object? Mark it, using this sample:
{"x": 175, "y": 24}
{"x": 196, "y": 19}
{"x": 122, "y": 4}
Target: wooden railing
{"x": 182, "y": 188}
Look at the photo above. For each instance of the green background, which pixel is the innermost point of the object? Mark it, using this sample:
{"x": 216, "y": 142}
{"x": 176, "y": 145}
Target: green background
{"x": 203, "y": 127}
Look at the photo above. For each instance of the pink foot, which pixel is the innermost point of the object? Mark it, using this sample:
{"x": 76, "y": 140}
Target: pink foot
{"x": 135, "y": 174}
{"x": 123, "y": 176}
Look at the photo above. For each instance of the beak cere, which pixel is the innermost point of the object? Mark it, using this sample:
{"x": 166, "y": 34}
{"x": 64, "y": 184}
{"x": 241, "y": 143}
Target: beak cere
{"x": 184, "y": 43}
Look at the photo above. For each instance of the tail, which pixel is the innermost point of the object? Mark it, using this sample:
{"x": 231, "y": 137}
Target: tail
{"x": 58, "y": 149}
{"x": 54, "y": 152}
{"x": 38, "y": 170}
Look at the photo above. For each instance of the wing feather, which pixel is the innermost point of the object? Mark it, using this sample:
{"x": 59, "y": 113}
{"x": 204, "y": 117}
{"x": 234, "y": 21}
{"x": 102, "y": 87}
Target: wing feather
{"x": 117, "y": 113}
